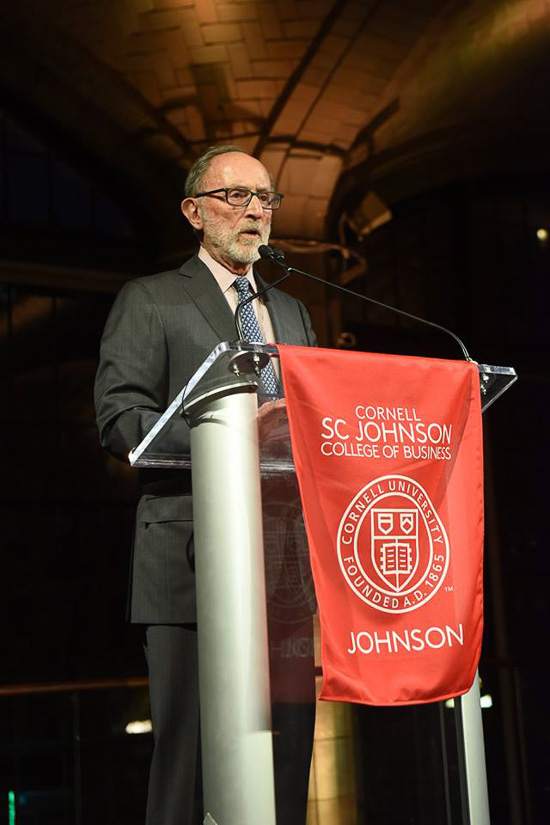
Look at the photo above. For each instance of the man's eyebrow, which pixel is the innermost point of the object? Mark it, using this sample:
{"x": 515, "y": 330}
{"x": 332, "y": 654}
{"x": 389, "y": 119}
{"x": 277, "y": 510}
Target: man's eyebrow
{"x": 242, "y": 186}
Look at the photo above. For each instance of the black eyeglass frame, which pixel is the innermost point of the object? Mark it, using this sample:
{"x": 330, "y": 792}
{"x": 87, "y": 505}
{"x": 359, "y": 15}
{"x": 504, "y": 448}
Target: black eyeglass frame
{"x": 227, "y": 189}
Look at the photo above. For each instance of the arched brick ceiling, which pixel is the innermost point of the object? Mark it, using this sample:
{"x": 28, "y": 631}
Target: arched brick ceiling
{"x": 470, "y": 99}
{"x": 331, "y": 95}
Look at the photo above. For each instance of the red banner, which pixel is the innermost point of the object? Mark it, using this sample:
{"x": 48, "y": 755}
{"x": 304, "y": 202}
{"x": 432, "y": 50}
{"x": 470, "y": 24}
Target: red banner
{"x": 388, "y": 454}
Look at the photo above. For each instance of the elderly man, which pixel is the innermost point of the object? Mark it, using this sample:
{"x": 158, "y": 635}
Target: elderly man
{"x": 160, "y": 330}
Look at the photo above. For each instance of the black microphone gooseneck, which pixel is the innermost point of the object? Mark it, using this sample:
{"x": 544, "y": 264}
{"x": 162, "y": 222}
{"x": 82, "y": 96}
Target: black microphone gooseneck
{"x": 241, "y": 304}
{"x": 278, "y": 257}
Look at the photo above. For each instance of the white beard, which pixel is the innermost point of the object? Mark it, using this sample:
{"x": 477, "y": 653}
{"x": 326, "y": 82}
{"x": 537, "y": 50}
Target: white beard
{"x": 233, "y": 245}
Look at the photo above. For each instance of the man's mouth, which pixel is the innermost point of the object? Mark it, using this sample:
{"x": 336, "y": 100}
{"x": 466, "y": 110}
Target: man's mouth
{"x": 250, "y": 232}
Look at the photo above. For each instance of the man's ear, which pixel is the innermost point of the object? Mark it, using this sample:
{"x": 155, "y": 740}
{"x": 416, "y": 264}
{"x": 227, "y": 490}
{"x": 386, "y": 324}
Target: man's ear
{"x": 190, "y": 209}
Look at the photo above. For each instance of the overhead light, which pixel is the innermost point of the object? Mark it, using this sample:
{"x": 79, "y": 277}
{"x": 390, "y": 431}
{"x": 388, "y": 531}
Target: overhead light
{"x": 371, "y": 213}
{"x": 139, "y": 726}
{"x": 542, "y": 235}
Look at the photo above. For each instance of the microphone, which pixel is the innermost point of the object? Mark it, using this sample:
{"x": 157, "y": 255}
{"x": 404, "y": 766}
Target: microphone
{"x": 272, "y": 252}
{"x": 278, "y": 257}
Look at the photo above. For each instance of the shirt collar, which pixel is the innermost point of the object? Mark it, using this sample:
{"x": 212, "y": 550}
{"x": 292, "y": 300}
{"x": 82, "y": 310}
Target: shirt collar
{"x": 223, "y": 276}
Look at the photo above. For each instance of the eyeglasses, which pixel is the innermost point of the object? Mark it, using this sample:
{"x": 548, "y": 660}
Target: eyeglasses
{"x": 239, "y": 196}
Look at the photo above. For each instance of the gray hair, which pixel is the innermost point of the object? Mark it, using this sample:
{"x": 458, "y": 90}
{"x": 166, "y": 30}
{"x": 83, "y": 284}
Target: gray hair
{"x": 197, "y": 173}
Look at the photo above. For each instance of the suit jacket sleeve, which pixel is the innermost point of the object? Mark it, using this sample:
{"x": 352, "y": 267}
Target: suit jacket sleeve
{"x": 132, "y": 379}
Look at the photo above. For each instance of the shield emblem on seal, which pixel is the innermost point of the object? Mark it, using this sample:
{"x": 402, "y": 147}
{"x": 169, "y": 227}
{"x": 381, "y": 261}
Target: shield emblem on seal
{"x": 394, "y": 545}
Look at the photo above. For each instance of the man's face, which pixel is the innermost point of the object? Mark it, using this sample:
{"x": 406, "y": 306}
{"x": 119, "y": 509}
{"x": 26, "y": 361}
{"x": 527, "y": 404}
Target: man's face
{"x": 232, "y": 234}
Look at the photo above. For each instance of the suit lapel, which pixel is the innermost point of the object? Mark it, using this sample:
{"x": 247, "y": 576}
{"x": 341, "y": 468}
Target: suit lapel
{"x": 203, "y": 289}
{"x": 279, "y": 317}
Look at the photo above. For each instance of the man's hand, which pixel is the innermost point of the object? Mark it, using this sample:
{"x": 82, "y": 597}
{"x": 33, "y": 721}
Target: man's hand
{"x": 269, "y": 416}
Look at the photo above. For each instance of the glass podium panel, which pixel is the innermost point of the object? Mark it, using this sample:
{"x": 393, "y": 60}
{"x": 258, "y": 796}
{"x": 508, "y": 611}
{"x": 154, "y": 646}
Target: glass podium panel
{"x": 493, "y": 382}
{"x": 232, "y": 365}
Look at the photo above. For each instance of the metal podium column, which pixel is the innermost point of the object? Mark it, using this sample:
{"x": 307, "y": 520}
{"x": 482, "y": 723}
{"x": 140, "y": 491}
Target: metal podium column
{"x": 237, "y": 753}
{"x": 471, "y": 756}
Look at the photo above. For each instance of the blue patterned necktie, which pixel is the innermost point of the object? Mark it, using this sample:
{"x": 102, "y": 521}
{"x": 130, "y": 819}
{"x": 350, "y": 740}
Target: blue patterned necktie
{"x": 252, "y": 333}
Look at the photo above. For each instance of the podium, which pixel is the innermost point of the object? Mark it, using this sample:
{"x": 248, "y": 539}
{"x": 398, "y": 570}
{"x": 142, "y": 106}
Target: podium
{"x": 221, "y": 407}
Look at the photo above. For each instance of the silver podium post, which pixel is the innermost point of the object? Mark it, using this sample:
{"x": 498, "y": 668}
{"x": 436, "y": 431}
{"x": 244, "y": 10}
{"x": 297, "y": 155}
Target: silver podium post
{"x": 237, "y": 754}
{"x": 471, "y": 756}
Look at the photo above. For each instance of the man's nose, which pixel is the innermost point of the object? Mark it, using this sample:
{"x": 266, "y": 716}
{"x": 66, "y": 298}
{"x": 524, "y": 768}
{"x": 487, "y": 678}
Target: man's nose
{"x": 254, "y": 208}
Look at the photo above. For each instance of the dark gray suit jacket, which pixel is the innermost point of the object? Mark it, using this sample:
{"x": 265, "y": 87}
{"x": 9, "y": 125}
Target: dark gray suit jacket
{"x": 160, "y": 330}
